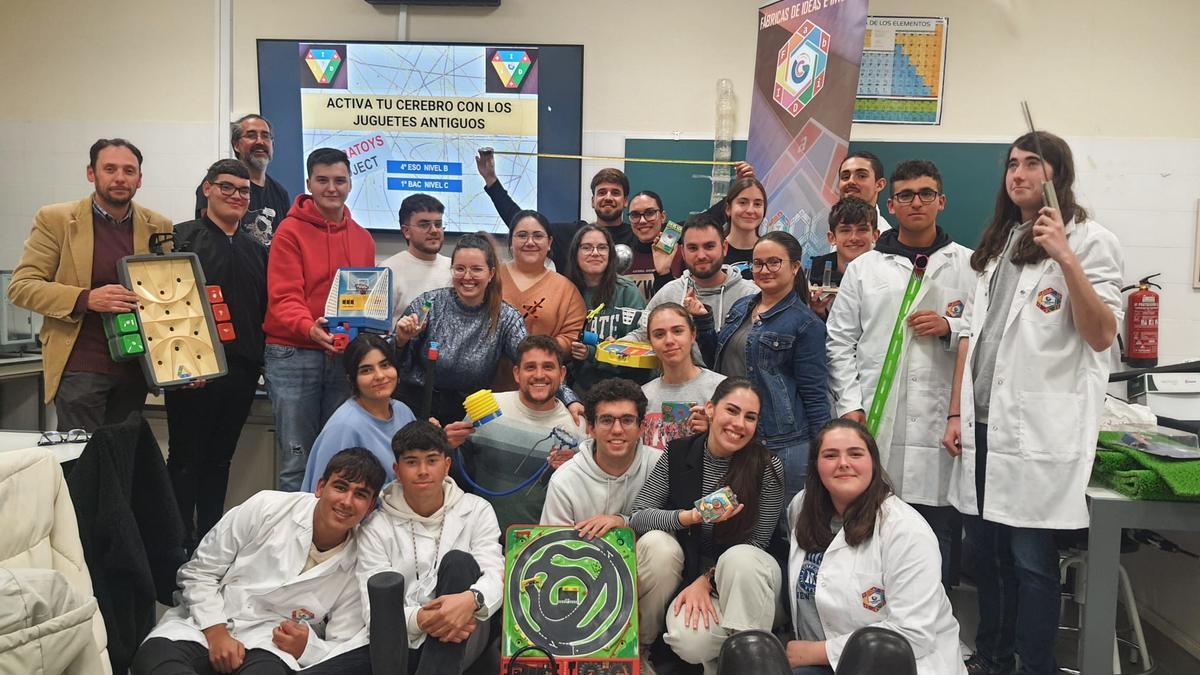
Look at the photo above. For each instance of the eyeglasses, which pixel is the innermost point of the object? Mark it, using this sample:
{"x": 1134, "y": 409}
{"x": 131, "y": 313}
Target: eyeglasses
{"x": 228, "y": 189}
{"x": 427, "y": 225}
{"x": 60, "y": 437}
{"x": 648, "y": 214}
{"x": 257, "y": 136}
{"x": 770, "y": 264}
{"x": 906, "y": 197}
{"x": 525, "y": 236}
{"x": 460, "y": 271}
{"x": 593, "y": 248}
{"x": 606, "y": 421}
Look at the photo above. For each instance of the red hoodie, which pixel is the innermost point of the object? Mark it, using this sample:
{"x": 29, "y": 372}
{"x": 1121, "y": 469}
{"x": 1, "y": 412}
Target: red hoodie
{"x": 306, "y": 251}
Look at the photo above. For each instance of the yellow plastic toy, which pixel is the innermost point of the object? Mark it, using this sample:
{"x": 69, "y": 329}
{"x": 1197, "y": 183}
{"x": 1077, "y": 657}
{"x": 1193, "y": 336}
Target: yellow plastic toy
{"x": 627, "y": 353}
{"x": 482, "y": 407}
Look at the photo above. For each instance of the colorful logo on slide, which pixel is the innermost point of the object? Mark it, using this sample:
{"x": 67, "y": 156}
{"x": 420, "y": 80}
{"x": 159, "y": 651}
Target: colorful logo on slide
{"x": 511, "y": 65}
{"x": 322, "y": 66}
{"x": 510, "y": 71}
{"x": 800, "y": 68}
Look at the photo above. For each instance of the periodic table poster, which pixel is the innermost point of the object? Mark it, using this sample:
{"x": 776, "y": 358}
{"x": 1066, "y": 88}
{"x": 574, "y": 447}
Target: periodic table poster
{"x": 903, "y": 70}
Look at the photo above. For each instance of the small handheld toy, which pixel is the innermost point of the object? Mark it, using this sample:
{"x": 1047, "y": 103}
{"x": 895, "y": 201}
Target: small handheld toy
{"x": 669, "y": 238}
{"x": 482, "y": 407}
{"x": 431, "y": 357}
{"x": 627, "y": 353}
{"x": 359, "y": 301}
{"x": 717, "y": 504}
{"x": 588, "y": 337}
{"x": 827, "y": 287}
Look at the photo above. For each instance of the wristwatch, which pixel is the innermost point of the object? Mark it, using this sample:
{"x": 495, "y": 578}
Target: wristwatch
{"x": 478, "y": 599}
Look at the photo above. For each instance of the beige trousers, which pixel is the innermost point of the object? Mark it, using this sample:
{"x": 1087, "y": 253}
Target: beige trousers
{"x": 747, "y": 580}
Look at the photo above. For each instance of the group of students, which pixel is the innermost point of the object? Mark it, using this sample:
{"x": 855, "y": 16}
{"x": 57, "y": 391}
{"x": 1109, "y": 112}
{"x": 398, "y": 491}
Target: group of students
{"x": 765, "y": 387}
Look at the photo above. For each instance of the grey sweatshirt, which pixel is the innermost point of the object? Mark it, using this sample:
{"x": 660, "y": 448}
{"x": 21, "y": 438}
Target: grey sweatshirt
{"x": 718, "y": 300}
{"x": 580, "y": 489}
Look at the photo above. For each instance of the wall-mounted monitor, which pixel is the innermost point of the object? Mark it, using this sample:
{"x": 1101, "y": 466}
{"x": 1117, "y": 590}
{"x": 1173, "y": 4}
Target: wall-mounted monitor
{"x": 411, "y": 116}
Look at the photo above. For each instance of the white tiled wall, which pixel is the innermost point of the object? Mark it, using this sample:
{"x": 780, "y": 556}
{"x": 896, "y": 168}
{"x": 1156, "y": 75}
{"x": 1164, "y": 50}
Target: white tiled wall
{"x": 45, "y": 163}
{"x": 1146, "y": 192}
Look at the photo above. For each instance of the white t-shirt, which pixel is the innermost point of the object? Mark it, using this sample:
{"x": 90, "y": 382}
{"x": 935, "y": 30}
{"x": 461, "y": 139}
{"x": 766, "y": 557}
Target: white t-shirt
{"x": 412, "y": 276}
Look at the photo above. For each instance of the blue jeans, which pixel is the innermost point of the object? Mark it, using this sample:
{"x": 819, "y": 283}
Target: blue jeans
{"x": 306, "y": 386}
{"x": 1016, "y": 573}
{"x": 795, "y": 469}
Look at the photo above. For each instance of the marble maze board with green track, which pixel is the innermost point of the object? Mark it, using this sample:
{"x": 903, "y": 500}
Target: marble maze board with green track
{"x": 572, "y": 597}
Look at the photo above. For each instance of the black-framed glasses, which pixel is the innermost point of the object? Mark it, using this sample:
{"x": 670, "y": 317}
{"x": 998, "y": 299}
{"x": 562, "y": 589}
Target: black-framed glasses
{"x": 606, "y": 421}
{"x": 526, "y": 235}
{"x": 258, "y": 136}
{"x": 926, "y": 196}
{"x": 770, "y": 264}
{"x": 60, "y": 437}
{"x": 593, "y": 248}
{"x": 648, "y": 214}
{"x": 228, "y": 189}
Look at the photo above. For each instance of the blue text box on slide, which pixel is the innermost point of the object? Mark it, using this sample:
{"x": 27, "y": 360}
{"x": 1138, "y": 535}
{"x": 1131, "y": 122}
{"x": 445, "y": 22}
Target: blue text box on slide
{"x": 422, "y": 168}
{"x": 424, "y": 184}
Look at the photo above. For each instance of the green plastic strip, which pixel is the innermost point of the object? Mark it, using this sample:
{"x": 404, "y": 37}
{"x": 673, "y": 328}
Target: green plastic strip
{"x": 892, "y": 360}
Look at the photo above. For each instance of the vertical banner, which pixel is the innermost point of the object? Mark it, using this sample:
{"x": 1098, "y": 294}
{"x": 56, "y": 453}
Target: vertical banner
{"x": 805, "y": 80}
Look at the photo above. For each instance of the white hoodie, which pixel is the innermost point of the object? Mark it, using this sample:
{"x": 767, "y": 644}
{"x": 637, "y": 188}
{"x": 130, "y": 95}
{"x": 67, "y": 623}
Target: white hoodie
{"x": 580, "y": 489}
{"x": 464, "y": 523}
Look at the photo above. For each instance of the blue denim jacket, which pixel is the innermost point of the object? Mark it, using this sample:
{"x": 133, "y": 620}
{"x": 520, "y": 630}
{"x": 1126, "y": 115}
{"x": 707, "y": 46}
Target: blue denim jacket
{"x": 785, "y": 358}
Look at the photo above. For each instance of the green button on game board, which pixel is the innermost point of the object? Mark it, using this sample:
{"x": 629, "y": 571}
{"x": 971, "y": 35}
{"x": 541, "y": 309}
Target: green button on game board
{"x": 126, "y": 323}
{"x": 131, "y": 344}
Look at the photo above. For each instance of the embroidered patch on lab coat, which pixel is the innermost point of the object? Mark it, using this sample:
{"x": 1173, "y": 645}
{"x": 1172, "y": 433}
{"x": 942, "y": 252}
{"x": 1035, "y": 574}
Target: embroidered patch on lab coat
{"x": 1049, "y": 300}
{"x": 873, "y": 599}
{"x": 303, "y": 615}
{"x": 954, "y": 310}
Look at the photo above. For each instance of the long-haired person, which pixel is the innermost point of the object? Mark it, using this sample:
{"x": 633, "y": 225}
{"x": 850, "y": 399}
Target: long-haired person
{"x": 775, "y": 340}
{"x": 675, "y": 399}
{"x": 548, "y": 301}
{"x": 729, "y": 581}
{"x": 473, "y": 327}
{"x": 745, "y": 208}
{"x": 862, "y": 557}
{"x": 592, "y": 267}
{"x": 1028, "y": 397}
{"x": 370, "y": 417}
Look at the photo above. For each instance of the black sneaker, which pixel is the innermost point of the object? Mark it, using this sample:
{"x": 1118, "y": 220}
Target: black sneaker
{"x": 978, "y": 665}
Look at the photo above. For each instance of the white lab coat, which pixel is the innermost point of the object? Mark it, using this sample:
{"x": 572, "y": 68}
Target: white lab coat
{"x": 859, "y": 331}
{"x": 902, "y": 560}
{"x": 246, "y": 574}
{"x": 1047, "y": 394}
{"x": 468, "y": 524}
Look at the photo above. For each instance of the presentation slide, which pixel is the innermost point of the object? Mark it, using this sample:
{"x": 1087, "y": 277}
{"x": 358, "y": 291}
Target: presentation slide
{"x": 411, "y": 118}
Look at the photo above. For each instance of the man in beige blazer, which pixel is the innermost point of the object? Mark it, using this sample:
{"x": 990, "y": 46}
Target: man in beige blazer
{"x": 68, "y": 274}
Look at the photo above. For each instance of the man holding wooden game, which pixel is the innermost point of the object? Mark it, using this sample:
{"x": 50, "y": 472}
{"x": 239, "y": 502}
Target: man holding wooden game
{"x": 68, "y": 274}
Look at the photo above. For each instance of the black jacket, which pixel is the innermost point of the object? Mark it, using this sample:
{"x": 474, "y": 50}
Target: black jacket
{"x": 238, "y": 265}
{"x": 130, "y": 528}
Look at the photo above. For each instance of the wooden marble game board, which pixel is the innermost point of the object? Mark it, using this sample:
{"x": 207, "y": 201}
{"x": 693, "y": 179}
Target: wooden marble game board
{"x": 177, "y": 322}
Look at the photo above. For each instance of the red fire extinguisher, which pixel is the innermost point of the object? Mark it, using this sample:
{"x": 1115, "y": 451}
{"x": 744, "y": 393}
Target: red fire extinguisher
{"x": 1141, "y": 324}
